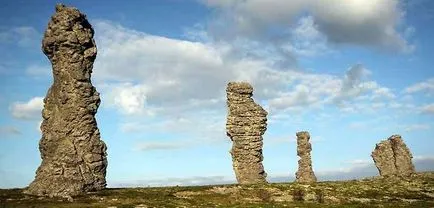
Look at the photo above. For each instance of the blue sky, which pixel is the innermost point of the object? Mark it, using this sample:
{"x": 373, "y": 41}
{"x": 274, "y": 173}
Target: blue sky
{"x": 350, "y": 72}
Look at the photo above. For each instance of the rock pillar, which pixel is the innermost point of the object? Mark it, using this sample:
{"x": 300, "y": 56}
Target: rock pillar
{"x": 73, "y": 156}
{"x": 246, "y": 123}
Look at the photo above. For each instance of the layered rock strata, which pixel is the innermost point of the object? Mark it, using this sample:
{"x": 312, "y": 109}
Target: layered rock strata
{"x": 305, "y": 172}
{"x": 74, "y": 159}
{"x": 246, "y": 123}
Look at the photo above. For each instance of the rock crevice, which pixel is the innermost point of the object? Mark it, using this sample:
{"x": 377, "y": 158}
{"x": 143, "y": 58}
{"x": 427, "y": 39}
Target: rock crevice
{"x": 73, "y": 156}
{"x": 393, "y": 158}
{"x": 246, "y": 123}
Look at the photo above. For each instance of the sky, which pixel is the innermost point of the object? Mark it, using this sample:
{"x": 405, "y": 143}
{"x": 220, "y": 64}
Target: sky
{"x": 351, "y": 72}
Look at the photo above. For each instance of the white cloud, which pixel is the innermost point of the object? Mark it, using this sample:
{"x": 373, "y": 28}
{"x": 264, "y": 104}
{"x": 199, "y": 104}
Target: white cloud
{"x": 24, "y": 36}
{"x": 425, "y": 86}
{"x": 306, "y": 40}
{"x": 28, "y": 110}
{"x": 146, "y": 146}
{"x": 156, "y": 75}
{"x": 301, "y": 96}
{"x": 156, "y": 71}
{"x": 349, "y": 92}
{"x": 429, "y": 109}
{"x": 372, "y": 23}
{"x": 416, "y": 127}
{"x": 358, "y": 125}
{"x": 177, "y": 87}
{"x": 352, "y": 85}
{"x": 38, "y": 71}
{"x": 130, "y": 99}
{"x": 359, "y": 162}
{"x": 383, "y": 92}
{"x": 191, "y": 128}
{"x": 9, "y": 130}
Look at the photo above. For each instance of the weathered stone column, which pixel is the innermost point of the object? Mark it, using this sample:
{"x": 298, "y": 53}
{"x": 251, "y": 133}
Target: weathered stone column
{"x": 305, "y": 172}
{"x": 393, "y": 158}
{"x": 73, "y": 155}
{"x": 246, "y": 123}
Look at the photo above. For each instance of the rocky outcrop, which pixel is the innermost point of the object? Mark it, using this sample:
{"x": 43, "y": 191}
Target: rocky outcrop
{"x": 393, "y": 158}
{"x": 305, "y": 172}
{"x": 73, "y": 156}
{"x": 246, "y": 123}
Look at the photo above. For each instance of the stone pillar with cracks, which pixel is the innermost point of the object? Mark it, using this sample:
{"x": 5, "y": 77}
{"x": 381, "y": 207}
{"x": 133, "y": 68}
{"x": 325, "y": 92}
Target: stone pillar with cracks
{"x": 246, "y": 123}
{"x": 393, "y": 158}
{"x": 305, "y": 172}
{"x": 74, "y": 158}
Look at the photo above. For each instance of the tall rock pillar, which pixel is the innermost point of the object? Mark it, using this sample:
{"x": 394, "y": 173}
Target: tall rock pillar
{"x": 246, "y": 123}
{"x": 73, "y": 156}
{"x": 305, "y": 172}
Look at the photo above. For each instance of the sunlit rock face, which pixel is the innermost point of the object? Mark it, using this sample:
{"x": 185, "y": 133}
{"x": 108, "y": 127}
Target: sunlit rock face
{"x": 305, "y": 172}
{"x": 246, "y": 123}
{"x": 74, "y": 158}
{"x": 393, "y": 158}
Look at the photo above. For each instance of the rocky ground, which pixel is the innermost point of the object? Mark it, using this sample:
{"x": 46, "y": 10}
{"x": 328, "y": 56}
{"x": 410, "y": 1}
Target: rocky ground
{"x": 417, "y": 191}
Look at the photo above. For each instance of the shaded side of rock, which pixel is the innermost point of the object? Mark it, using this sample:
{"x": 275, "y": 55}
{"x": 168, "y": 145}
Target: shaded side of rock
{"x": 74, "y": 158}
{"x": 246, "y": 123}
{"x": 305, "y": 172}
{"x": 403, "y": 157}
{"x": 392, "y": 157}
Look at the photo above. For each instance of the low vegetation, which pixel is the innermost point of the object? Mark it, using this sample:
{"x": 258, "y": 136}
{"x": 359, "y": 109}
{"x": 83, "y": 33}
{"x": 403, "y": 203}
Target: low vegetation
{"x": 416, "y": 191}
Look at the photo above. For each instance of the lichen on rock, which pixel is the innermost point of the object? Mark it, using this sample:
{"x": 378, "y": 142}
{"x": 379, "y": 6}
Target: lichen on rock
{"x": 74, "y": 158}
{"x": 305, "y": 172}
{"x": 393, "y": 158}
{"x": 246, "y": 123}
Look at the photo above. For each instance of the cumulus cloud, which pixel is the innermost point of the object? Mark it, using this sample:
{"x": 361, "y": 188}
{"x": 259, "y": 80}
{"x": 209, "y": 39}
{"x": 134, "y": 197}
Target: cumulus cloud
{"x": 352, "y": 85}
{"x": 129, "y": 98}
{"x": 29, "y": 110}
{"x": 155, "y": 75}
{"x": 172, "y": 86}
{"x": 425, "y": 86}
{"x": 306, "y": 40}
{"x": 371, "y": 23}
{"x": 157, "y": 71}
{"x": 353, "y": 92}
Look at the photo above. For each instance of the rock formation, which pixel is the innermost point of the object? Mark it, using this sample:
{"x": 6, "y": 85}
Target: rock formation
{"x": 305, "y": 173}
{"x": 74, "y": 158}
{"x": 246, "y": 123}
{"x": 393, "y": 158}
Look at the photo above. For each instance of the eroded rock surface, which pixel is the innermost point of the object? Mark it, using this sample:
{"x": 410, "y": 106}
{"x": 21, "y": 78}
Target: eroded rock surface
{"x": 73, "y": 156}
{"x": 305, "y": 172}
{"x": 246, "y": 123}
{"x": 393, "y": 158}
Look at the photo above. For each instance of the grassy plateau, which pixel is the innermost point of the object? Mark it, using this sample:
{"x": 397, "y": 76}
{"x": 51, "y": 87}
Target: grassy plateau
{"x": 415, "y": 191}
